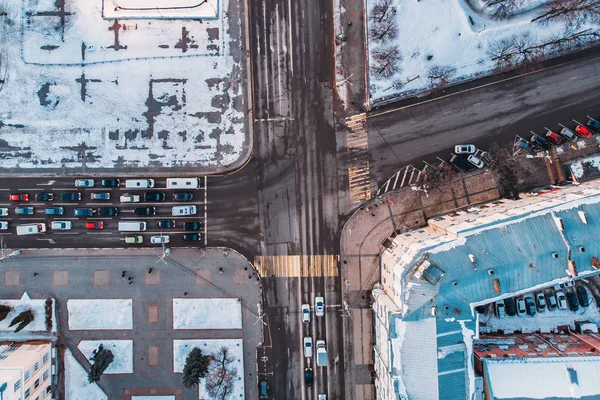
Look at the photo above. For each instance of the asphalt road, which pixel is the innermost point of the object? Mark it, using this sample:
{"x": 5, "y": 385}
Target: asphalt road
{"x": 492, "y": 114}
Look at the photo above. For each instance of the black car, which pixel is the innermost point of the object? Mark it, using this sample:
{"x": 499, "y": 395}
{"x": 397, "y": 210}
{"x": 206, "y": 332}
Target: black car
{"x": 193, "y": 226}
{"x": 71, "y": 196}
{"x": 166, "y": 224}
{"x": 110, "y": 182}
{"x": 108, "y": 211}
{"x": 594, "y": 125}
{"x": 582, "y": 294}
{"x": 540, "y": 141}
{"x": 191, "y": 237}
{"x": 145, "y": 211}
{"x": 44, "y": 197}
{"x": 572, "y": 301}
{"x": 154, "y": 196}
{"x": 308, "y": 376}
{"x": 530, "y": 305}
{"x": 510, "y": 306}
{"x": 183, "y": 196}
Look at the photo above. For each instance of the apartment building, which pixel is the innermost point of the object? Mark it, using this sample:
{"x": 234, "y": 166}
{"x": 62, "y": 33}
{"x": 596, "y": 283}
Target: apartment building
{"x": 25, "y": 370}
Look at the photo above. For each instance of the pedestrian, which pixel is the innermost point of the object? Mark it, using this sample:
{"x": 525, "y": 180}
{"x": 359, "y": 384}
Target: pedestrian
{"x": 185, "y": 293}
{"x": 349, "y": 23}
{"x": 221, "y": 270}
{"x": 35, "y": 274}
{"x": 130, "y": 278}
{"x": 345, "y": 262}
{"x": 372, "y": 215}
{"x": 123, "y": 274}
{"x": 246, "y": 268}
{"x": 150, "y": 270}
{"x": 130, "y": 282}
{"x": 249, "y": 276}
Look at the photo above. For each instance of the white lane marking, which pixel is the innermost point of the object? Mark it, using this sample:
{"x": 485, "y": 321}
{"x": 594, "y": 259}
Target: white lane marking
{"x": 291, "y": 52}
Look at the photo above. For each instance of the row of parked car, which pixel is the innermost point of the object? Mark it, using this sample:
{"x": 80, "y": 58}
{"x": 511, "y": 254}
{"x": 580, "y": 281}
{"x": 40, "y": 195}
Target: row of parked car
{"x": 551, "y": 138}
{"x": 101, "y": 212}
{"x": 102, "y": 196}
{"x": 540, "y": 302}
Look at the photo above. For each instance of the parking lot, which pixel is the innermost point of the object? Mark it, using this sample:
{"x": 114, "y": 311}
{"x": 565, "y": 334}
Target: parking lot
{"x": 89, "y": 221}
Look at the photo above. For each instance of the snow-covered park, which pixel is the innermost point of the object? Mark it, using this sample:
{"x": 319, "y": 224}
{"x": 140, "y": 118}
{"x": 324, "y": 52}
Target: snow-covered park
{"x": 22, "y": 305}
{"x": 106, "y": 314}
{"x": 419, "y": 45}
{"x": 81, "y": 89}
{"x": 122, "y": 351}
{"x": 211, "y": 313}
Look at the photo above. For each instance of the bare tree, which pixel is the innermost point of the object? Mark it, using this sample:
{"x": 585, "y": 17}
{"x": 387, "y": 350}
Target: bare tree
{"x": 574, "y": 12}
{"x": 221, "y": 375}
{"x": 382, "y": 21}
{"x": 440, "y": 75}
{"x": 382, "y": 10}
{"x": 502, "y": 9}
{"x": 386, "y": 61}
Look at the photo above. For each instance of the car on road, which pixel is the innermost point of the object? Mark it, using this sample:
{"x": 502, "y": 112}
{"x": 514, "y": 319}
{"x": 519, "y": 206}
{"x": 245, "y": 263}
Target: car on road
{"x": 464, "y": 149}
{"x": 521, "y": 308}
{"x": 3, "y": 225}
{"x": 568, "y": 134}
{"x": 169, "y": 223}
{"x": 593, "y": 124}
{"x": 572, "y": 301}
{"x": 476, "y": 161}
{"x": 94, "y": 225}
{"x": 55, "y": 211}
{"x": 61, "y": 225}
{"x": 19, "y": 197}
{"x": 71, "y": 196}
{"x": 107, "y": 211}
{"x": 154, "y": 196}
{"x": 540, "y": 141}
{"x": 308, "y": 376}
{"x": 530, "y": 304}
{"x": 551, "y": 302}
{"x": 500, "y": 312}
{"x": 144, "y": 211}
{"x": 540, "y": 301}
{"x": 191, "y": 237}
{"x": 583, "y": 297}
{"x": 319, "y": 306}
{"x": 192, "y": 226}
{"x": 510, "y": 306}
{"x": 110, "y": 182}
{"x": 305, "y": 313}
{"x": 44, "y": 196}
{"x": 308, "y": 346}
{"x": 3, "y": 212}
{"x": 583, "y": 131}
{"x": 183, "y": 196}
{"x": 83, "y": 212}
{"x": 553, "y": 137}
{"x": 322, "y": 397}
{"x": 160, "y": 239}
{"x": 134, "y": 239}
{"x": 24, "y": 210}
{"x": 561, "y": 300}
{"x": 100, "y": 196}
{"x": 129, "y": 198}
{"x": 85, "y": 183}
{"x": 264, "y": 389}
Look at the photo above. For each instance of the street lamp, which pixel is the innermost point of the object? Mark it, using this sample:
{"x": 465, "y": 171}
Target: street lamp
{"x": 2, "y": 389}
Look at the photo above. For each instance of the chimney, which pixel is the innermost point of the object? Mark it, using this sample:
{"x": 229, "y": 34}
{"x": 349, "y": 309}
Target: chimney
{"x": 583, "y": 217}
{"x": 572, "y": 268}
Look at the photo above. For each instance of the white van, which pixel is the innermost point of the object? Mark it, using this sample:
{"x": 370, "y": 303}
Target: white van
{"x": 183, "y": 183}
{"x": 179, "y": 211}
{"x": 132, "y": 226}
{"x": 130, "y": 198}
{"x": 139, "y": 183}
{"x": 31, "y": 229}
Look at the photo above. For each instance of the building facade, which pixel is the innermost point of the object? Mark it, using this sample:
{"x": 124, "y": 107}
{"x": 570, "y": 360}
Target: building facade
{"x": 25, "y": 370}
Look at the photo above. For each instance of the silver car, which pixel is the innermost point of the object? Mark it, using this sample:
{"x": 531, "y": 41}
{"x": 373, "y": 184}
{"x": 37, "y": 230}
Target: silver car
{"x": 464, "y": 149}
{"x": 84, "y": 183}
{"x": 61, "y": 225}
{"x": 475, "y": 161}
{"x": 305, "y": 313}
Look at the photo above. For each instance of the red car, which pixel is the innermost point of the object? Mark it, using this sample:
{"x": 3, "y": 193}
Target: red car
{"x": 583, "y": 131}
{"x": 553, "y": 137}
{"x": 94, "y": 225}
{"x": 19, "y": 197}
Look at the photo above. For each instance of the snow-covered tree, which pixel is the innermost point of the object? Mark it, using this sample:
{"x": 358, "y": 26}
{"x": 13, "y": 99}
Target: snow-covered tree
{"x": 195, "y": 368}
{"x": 101, "y": 359}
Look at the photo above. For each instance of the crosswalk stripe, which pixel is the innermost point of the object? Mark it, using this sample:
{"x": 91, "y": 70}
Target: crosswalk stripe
{"x": 297, "y": 266}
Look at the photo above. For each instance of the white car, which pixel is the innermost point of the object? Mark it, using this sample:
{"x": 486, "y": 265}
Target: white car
{"x": 308, "y": 346}
{"x": 84, "y": 183}
{"x": 159, "y": 239}
{"x": 464, "y": 149}
{"x": 475, "y": 161}
{"x": 3, "y": 212}
{"x": 319, "y": 306}
{"x": 305, "y": 313}
{"x": 322, "y": 397}
{"x": 561, "y": 300}
{"x": 130, "y": 198}
{"x": 61, "y": 225}
{"x": 3, "y": 225}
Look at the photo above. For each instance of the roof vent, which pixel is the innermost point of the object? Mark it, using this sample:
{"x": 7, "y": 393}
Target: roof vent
{"x": 554, "y": 255}
{"x": 583, "y": 217}
{"x": 491, "y": 271}
{"x": 472, "y": 258}
{"x": 582, "y": 249}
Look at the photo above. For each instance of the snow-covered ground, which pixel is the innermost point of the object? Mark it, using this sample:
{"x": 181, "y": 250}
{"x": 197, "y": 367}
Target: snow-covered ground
{"x": 76, "y": 382}
{"x": 182, "y": 347}
{"x": 122, "y": 351}
{"x": 128, "y": 93}
{"x": 212, "y": 313}
{"x": 449, "y": 33}
{"x": 144, "y": 9}
{"x": 37, "y": 306}
{"x": 152, "y": 397}
{"x": 100, "y": 314}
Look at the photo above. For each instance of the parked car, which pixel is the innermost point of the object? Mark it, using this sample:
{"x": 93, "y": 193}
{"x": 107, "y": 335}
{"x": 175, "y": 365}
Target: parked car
{"x": 154, "y": 196}
{"x": 3, "y": 212}
{"x": 55, "y": 211}
{"x": 553, "y": 137}
{"x": 475, "y": 161}
{"x": 524, "y": 144}
{"x": 322, "y": 397}
{"x": 19, "y": 197}
{"x": 61, "y": 225}
{"x": 24, "y": 210}
{"x": 561, "y": 300}
{"x": 500, "y": 313}
{"x": 564, "y": 285}
{"x": 583, "y": 131}
{"x": 540, "y": 141}
{"x": 101, "y": 196}
{"x": 71, "y": 196}
{"x": 319, "y": 306}
{"x": 305, "y": 313}
{"x": 110, "y": 182}
{"x": 530, "y": 305}
{"x": 83, "y": 212}
{"x": 3, "y": 225}
{"x": 134, "y": 239}
{"x": 308, "y": 376}
{"x": 551, "y": 302}
{"x": 464, "y": 149}
{"x": 191, "y": 237}
{"x": 308, "y": 346}
{"x": 183, "y": 196}
{"x": 572, "y": 301}
{"x": 44, "y": 196}
{"x": 593, "y": 124}
{"x": 583, "y": 297}
{"x": 129, "y": 198}
{"x": 568, "y": 134}
{"x": 192, "y": 226}
{"x": 166, "y": 224}
{"x": 85, "y": 183}
{"x": 160, "y": 239}
{"x": 264, "y": 389}
{"x": 108, "y": 211}
{"x": 540, "y": 301}
{"x": 94, "y": 225}
{"x": 510, "y": 306}
{"x": 144, "y": 211}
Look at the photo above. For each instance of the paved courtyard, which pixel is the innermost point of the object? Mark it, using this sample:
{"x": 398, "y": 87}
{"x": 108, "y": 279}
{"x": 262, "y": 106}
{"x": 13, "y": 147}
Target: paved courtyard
{"x": 99, "y": 275}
